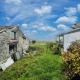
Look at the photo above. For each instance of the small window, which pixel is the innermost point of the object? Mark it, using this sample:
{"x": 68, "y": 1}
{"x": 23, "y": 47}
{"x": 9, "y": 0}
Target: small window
{"x": 14, "y": 35}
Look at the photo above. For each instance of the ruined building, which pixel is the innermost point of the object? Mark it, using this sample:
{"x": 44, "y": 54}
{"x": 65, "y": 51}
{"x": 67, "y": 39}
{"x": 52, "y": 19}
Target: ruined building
{"x": 71, "y": 36}
{"x": 13, "y": 44}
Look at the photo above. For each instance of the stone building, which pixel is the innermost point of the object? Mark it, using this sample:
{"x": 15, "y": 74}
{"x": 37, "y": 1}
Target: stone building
{"x": 70, "y": 36}
{"x": 13, "y": 44}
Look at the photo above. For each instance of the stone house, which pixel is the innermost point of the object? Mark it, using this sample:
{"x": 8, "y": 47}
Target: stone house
{"x": 71, "y": 36}
{"x": 13, "y": 44}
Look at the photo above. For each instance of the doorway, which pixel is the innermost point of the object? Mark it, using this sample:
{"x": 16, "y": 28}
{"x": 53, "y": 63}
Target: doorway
{"x": 12, "y": 51}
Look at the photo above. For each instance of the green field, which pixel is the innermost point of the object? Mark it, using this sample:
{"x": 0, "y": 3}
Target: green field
{"x": 42, "y": 66}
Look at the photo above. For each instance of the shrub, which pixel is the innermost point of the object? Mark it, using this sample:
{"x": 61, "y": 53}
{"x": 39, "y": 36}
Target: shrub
{"x": 33, "y": 41}
{"x": 50, "y": 45}
{"x": 35, "y": 49}
{"x": 72, "y": 61}
{"x": 57, "y": 50}
{"x": 55, "y": 47}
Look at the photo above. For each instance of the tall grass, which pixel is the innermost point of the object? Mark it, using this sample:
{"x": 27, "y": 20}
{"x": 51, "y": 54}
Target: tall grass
{"x": 45, "y": 66}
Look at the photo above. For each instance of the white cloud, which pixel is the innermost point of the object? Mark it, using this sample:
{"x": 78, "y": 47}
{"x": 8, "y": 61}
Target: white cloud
{"x": 8, "y": 18}
{"x": 35, "y": 26}
{"x": 62, "y": 19}
{"x": 71, "y": 11}
{"x": 38, "y": 25}
{"x": 18, "y": 9}
{"x": 30, "y": 34}
{"x": 22, "y": 14}
{"x": 43, "y": 10}
{"x": 78, "y": 7}
{"x": 34, "y": 31}
{"x": 43, "y": 27}
{"x": 12, "y": 7}
{"x": 24, "y": 26}
{"x": 16, "y": 2}
{"x": 62, "y": 26}
{"x": 48, "y": 28}
{"x": 65, "y": 19}
{"x": 23, "y": 11}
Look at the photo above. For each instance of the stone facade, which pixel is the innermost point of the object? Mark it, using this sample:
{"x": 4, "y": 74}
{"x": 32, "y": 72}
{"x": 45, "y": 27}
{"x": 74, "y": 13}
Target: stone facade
{"x": 13, "y": 44}
{"x": 4, "y": 50}
{"x": 71, "y": 36}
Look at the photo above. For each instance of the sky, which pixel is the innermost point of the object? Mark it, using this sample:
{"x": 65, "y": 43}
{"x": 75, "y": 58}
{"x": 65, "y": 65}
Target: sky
{"x": 40, "y": 19}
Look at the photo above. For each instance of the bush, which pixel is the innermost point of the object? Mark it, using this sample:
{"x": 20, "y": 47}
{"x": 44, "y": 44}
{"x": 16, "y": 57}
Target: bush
{"x": 50, "y": 45}
{"x": 55, "y": 47}
{"x": 35, "y": 49}
{"x": 72, "y": 61}
{"x": 57, "y": 50}
{"x": 33, "y": 41}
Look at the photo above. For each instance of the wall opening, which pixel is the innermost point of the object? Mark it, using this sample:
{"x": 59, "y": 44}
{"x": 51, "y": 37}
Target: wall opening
{"x": 12, "y": 51}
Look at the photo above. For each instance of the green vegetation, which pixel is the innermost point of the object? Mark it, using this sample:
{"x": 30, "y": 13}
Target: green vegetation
{"x": 42, "y": 66}
{"x": 56, "y": 47}
{"x": 72, "y": 62}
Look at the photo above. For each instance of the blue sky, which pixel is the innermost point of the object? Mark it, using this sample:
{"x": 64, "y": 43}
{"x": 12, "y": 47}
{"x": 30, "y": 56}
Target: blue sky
{"x": 40, "y": 19}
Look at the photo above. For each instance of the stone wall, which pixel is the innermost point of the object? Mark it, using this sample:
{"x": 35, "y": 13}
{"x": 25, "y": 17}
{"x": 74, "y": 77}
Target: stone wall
{"x": 4, "y": 49}
{"x": 5, "y": 37}
{"x": 23, "y": 44}
{"x": 69, "y": 38}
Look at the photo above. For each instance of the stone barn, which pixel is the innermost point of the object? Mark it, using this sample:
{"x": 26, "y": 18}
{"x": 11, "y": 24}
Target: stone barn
{"x": 13, "y": 44}
{"x": 71, "y": 36}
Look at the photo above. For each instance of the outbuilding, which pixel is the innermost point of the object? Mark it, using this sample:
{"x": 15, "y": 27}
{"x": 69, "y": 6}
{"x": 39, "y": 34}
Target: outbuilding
{"x": 13, "y": 44}
{"x": 71, "y": 36}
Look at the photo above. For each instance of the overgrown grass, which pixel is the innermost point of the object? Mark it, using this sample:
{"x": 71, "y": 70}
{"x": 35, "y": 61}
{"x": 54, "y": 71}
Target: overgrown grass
{"x": 44, "y": 66}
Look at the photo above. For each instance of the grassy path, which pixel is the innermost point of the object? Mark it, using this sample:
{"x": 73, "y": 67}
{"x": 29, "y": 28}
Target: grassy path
{"x": 44, "y": 66}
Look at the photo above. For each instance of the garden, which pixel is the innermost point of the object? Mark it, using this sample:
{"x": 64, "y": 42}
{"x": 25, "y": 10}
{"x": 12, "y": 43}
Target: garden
{"x": 45, "y": 62}
{"x": 44, "y": 65}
